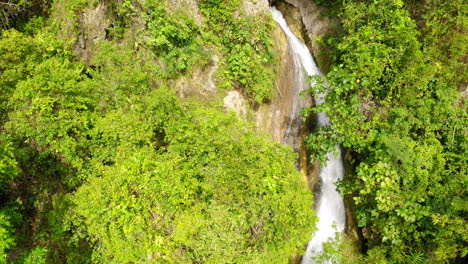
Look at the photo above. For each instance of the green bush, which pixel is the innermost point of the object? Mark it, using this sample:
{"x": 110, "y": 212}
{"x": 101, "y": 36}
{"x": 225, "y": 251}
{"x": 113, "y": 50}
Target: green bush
{"x": 112, "y": 168}
{"x": 200, "y": 193}
{"x": 10, "y": 218}
{"x": 174, "y": 39}
{"x": 247, "y": 47}
{"x": 8, "y": 164}
{"x": 36, "y": 256}
{"x": 393, "y": 88}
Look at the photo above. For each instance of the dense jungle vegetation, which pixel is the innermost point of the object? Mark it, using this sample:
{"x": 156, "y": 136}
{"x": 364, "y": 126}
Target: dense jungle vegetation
{"x": 102, "y": 162}
{"x": 395, "y": 104}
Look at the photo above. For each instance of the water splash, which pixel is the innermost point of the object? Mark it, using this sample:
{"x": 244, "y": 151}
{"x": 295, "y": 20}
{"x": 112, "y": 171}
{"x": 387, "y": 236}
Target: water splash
{"x": 330, "y": 206}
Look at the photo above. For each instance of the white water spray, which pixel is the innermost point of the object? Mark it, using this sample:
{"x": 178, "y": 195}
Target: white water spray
{"x": 330, "y": 207}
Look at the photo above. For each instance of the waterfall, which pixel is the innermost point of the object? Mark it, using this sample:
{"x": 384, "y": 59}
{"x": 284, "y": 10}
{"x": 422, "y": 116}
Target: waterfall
{"x": 330, "y": 205}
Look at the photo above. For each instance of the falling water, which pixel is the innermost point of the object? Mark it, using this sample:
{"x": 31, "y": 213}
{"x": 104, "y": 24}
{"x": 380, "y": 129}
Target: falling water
{"x": 330, "y": 206}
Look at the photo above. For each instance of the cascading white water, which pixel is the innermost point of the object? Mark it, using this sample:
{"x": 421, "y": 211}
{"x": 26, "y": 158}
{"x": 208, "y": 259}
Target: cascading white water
{"x": 330, "y": 207}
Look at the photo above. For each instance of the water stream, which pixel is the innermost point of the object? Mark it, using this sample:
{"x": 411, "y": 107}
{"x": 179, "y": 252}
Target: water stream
{"x": 330, "y": 205}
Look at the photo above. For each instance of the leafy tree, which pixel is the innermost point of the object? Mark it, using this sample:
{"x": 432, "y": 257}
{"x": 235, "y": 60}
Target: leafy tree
{"x": 36, "y": 256}
{"x": 175, "y": 39}
{"x": 8, "y": 163}
{"x": 111, "y": 167}
{"x": 392, "y": 101}
{"x": 247, "y": 47}
{"x": 202, "y": 195}
{"x": 11, "y": 10}
{"x": 54, "y": 108}
{"x": 9, "y": 220}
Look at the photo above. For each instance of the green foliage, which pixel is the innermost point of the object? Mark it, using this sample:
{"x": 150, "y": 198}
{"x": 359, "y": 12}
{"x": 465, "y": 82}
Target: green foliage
{"x": 173, "y": 38}
{"x": 322, "y": 141}
{"x": 8, "y": 163}
{"x": 33, "y": 25}
{"x": 136, "y": 76}
{"x": 40, "y": 187}
{"x": 247, "y": 47}
{"x": 328, "y": 3}
{"x": 9, "y": 220}
{"x": 64, "y": 19}
{"x": 392, "y": 100}
{"x": 11, "y": 11}
{"x": 342, "y": 250}
{"x": 338, "y": 249}
{"x": 202, "y": 195}
{"x": 36, "y": 256}
{"x": 60, "y": 234}
{"x": 19, "y": 55}
{"x": 110, "y": 166}
{"x": 54, "y": 108}
{"x": 49, "y": 108}
{"x": 48, "y": 96}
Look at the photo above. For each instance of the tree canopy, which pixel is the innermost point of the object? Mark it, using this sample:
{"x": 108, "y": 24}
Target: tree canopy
{"x": 101, "y": 162}
{"x": 393, "y": 101}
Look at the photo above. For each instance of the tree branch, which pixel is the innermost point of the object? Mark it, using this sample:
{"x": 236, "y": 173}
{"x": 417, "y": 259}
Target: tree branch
{"x": 10, "y": 4}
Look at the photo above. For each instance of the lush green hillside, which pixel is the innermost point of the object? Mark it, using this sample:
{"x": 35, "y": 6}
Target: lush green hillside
{"x": 101, "y": 162}
{"x": 395, "y": 104}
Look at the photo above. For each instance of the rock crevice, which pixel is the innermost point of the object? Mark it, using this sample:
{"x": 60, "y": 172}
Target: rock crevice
{"x": 313, "y": 26}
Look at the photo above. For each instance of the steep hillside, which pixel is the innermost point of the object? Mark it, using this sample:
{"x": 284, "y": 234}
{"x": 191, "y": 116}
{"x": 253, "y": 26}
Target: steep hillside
{"x": 115, "y": 146}
{"x": 148, "y": 131}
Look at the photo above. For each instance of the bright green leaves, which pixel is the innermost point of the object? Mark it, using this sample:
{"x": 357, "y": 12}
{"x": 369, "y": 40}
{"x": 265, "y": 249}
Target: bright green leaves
{"x": 49, "y": 97}
{"x": 112, "y": 168}
{"x": 36, "y": 256}
{"x": 116, "y": 211}
{"x": 245, "y": 67}
{"x": 9, "y": 219}
{"x": 392, "y": 92}
{"x": 170, "y": 33}
{"x": 53, "y": 108}
{"x": 221, "y": 11}
{"x": 382, "y": 45}
{"x": 175, "y": 39}
{"x": 137, "y": 122}
{"x": 452, "y": 233}
{"x": 19, "y": 55}
{"x": 8, "y": 163}
{"x": 247, "y": 47}
{"x": 217, "y": 191}
{"x": 322, "y": 141}
{"x": 443, "y": 24}
{"x": 7, "y": 239}
{"x": 120, "y": 74}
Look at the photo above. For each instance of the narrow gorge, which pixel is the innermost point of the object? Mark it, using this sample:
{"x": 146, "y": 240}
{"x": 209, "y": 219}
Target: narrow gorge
{"x": 219, "y": 131}
{"x": 330, "y": 205}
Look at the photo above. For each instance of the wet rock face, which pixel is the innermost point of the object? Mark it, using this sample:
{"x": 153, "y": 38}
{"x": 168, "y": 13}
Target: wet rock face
{"x": 293, "y": 17}
{"x": 314, "y": 26}
{"x": 272, "y": 118}
{"x": 186, "y": 7}
{"x": 93, "y": 25}
{"x": 255, "y": 7}
{"x": 235, "y": 102}
{"x": 201, "y": 83}
{"x": 279, "y": 118}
